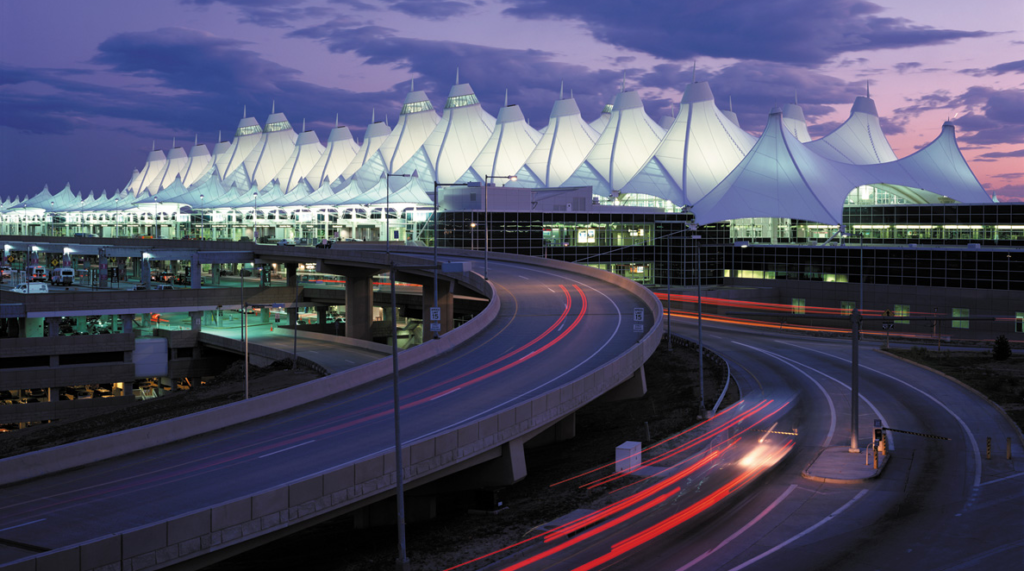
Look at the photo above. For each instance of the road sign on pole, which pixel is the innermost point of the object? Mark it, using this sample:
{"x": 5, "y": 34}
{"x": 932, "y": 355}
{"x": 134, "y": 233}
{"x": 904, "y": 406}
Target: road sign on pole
{"x": 435, "y": 326}
{"x": 638, "y": 314}
{"x": 435, "y": 314}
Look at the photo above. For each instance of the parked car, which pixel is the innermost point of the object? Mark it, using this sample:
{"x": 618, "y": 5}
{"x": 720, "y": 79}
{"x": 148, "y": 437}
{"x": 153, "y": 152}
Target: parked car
{"x": 32, "y": 288}
{"x": 62, "y": 276}
{"x": 286, "y": 242}
{"x": 162, "y": 286}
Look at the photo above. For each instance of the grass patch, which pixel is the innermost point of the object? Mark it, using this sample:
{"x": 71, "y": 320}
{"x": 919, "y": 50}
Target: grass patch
{"x": 1000, "y": 381}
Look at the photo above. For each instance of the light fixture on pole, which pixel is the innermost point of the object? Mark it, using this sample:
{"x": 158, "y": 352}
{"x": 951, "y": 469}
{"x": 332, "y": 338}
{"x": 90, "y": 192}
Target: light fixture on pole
{"x": 437, "y": 185}
{"x": 387, "y": 207}
{"x": 202, "y": 217}
{"x": 403, "y": 560}
{"x": 487, "y": 227}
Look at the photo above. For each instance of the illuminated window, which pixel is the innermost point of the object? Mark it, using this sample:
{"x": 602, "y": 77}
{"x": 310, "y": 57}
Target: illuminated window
{"x": 278, "y": 126}
{"x": 416, "y": 107}
{"x": 901, "y": 311}
{"x": 961, "y": 323}
{"x": 461, "y": 101}
{"x": 248, "y": 130}
{"x": 847, "y": 307}
{"x": 798, "y": 305}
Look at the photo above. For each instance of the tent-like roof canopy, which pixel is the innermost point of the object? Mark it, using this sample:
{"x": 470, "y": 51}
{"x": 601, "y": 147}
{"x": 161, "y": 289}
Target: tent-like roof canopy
{"x": 623, "y": 148}
{"x": 560, "y": 151}
{"x": 506, "y": 151}
{"x": 700, "y": 148}
{"x": 858, "y": 141}
{"x": 783, "y": 178}
{"x": 341, "y": 149}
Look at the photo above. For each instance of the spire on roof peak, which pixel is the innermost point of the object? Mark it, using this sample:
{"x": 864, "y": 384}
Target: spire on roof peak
{"x": 373, "y": 116}
{"x": 730, "y": 103}
{"x": 197, "y": 140}
{"x": 245, "y": 109}
{"x": 506, "y": 97}
{"x": 220, "y": 136}
{"x": 561, "y": 90}
{"x": 174, "y": 142}
{"x": 694, "y": 71}
{"x": 154, "y": 144}
{"x": 303, "y": 124}
{"x": 273, "y": 106}
{"x": 456, "y": 75}
{"x": 412, "y": 85}
{"x": 867, "y": 88}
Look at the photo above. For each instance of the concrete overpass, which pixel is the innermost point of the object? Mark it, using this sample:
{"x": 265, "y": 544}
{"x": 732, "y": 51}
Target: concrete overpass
{"x": 554, "y": 337}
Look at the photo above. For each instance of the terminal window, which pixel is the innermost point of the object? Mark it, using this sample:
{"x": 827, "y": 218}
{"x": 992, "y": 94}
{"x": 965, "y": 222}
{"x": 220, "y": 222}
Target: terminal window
{"x": 961, "y": 323}
{"x": 901, "y": 311}
{"x": 798, "y": 305}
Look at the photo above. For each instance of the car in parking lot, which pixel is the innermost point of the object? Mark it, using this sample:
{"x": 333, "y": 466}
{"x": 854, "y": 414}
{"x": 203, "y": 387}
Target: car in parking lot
{"x": 286, "y": 242}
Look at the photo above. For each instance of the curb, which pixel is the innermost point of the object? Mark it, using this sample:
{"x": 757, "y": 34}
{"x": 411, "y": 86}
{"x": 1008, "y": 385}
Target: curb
{"x": 883, "y": 461}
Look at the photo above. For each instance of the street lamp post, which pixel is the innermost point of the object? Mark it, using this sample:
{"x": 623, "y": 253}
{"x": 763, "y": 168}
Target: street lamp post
{"x": 117, "y": 218}
{"x": 156, "y": 219}
{"x": 52, "y": 220}
{"x": 487, "y": 226}
{"x": 700, "y": 329}
{"x": 202, "y": 217}
{"x": 402, "y": 563}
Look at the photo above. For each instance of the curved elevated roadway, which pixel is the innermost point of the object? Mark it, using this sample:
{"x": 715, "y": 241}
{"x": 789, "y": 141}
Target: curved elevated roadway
{"x": 937, "y": 504}
{"x": 564, "y": 335}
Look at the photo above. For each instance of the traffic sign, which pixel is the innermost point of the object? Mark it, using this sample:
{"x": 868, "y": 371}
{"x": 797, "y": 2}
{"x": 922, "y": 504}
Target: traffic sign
{"x": 638, "y": 328}
{"x": 435, "y": 326}
{"x": 638, "y": 314}
{"x": 435, "y": 314}
{"x": 888, "y": 325}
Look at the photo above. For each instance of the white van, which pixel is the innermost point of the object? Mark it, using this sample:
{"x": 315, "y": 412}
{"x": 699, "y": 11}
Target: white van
{"x": 32, "y": 288}
{"x": 62, "y": 276}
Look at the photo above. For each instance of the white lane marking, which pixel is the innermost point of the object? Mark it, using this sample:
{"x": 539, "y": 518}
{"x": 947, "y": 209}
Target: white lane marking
{"x": 22, "y": 524}
{"x": 524, "y": 277}
{"x": 739, "y": 532}
{"x": 973, "y": 562}
{"x": 551, "y": 290}
{"x": 831, "y": 405}
{"x": 289, "y": 448}
{"x": 963, "y": 425}
{"x": 890, "y": 439}
{"x": 985, "y": 484}
{"x": 801, "y": 534}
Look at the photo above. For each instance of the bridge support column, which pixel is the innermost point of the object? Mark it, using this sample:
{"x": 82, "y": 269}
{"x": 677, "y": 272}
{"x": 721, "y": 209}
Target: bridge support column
{"x": 195, "y": 272}
{"x": 53, "y": 323}
{"x": 359, "y": 305}
{"x": 104, "y": 271}
{"x": 197, "y": 320}
{"x": 321, "y": 315}
{"x": 292, "y": 272}
{"x": 504, "y": 470}
{"x": 634, "y": 387}
{"x": 564, "y": 429}
{"x": 144, "y": 273}
{"x": 126, "y": 323}
{"x": 445, "y": 300}
{"x": 215, "y": 274}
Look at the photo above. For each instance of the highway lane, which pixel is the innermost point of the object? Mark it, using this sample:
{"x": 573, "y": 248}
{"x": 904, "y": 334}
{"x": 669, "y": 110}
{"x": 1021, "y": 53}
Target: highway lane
{"x": 551, "y": 329}
{"x": 936, "y": 506}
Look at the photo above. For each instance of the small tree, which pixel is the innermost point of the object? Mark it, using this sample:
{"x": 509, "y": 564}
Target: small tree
{"x": 1001, "y": 349}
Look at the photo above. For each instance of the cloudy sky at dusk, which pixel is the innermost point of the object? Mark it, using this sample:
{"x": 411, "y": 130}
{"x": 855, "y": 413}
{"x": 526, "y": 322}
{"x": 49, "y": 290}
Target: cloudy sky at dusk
{"x": 86, "y": 87}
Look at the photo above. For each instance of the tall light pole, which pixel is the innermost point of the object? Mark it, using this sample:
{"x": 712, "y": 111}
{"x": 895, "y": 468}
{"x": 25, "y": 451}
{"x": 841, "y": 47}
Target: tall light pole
{"x": 202, "y": 217}
{"x": 156, "y": 221}
{"x": 387, "y": 207}
{"x": 487, "y": 227}
{"x": 402, "y": 563}
{"x": 437, "y": 185}
{"x": 117, "y": 218}
{"x": 52, "y": 221}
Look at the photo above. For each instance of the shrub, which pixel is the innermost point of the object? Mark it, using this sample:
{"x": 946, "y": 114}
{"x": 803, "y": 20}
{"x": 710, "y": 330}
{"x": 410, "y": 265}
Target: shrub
{"x": 1001, "y": 349}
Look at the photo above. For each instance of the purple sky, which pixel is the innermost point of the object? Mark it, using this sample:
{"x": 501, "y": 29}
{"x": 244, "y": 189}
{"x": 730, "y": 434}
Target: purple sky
{"x": 86, "y": 87}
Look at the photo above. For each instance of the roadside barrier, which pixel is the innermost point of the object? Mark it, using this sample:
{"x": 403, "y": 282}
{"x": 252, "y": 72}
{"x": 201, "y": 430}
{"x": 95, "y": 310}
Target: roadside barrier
{"x": 916, "y": 433}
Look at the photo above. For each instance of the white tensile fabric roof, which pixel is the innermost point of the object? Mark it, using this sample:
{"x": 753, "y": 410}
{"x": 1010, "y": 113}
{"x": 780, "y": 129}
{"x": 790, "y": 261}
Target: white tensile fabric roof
{"x": 602, "y": 120}
{"x": 341, "y": 149}
{"x": 177, "y": 160}
{"x": 506, "y": 151}
{"x": 415, "y": 123}
{"x": 859, "y": 140}
{"x": 700, "y": 148}
{"x": 623, "y": 148}
{"x": 457, "y": 139}
{"x": 783, "y": 178}
{"x": 305, "y": 155}
{"x": 155, "y": 164}
{"x": 794, "y": 121}
{"x": 247, "y": 136}
{"x": 273, "y": 150}
{"x": 199, "y": 162}
{"x": 562, "y": 148}
{"x": 376, "y": 133}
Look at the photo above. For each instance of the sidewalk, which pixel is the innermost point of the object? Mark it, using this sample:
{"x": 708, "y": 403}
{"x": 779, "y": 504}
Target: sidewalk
{"x": 837, "y": 465}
